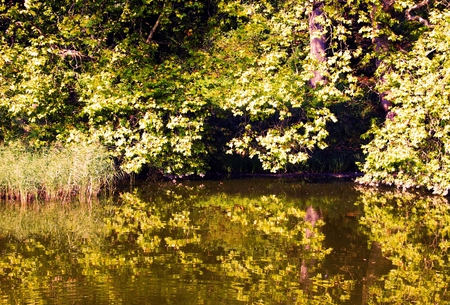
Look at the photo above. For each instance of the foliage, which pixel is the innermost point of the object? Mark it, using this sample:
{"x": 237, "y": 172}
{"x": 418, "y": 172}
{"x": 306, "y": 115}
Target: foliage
{"x": 156, "y": 118}
{"x": 151, "y": 80}
{"x": 267, "y": 85}
{"x": 174, "y": 85}
{"x": 412, "y": 149}
{"x": 78, "y": 74}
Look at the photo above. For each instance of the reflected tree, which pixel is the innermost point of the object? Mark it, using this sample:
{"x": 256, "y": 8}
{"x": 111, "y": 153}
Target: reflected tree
{"x": 413, "y": 232}
{"x": 377, "y": 267}
{"x": 251, "y": 250}
{"x": 311, "y": 218}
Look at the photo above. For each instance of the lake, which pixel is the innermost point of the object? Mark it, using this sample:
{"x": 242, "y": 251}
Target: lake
{"x": 243, "y": 241}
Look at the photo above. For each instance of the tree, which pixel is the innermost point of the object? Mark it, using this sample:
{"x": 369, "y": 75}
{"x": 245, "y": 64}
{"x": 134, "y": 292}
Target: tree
{"x": 412, "y": 149}
{"x": 109, "y": 71}
{"x": 281, "y": 119}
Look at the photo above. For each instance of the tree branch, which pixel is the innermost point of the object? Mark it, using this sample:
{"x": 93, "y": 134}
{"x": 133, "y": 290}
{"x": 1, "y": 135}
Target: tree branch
{"x": 418, "y": 18}
{"x": 153, "y": 30}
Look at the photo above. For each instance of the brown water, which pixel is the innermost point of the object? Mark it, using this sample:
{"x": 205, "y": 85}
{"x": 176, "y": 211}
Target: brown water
{"x": 248, "y": 241}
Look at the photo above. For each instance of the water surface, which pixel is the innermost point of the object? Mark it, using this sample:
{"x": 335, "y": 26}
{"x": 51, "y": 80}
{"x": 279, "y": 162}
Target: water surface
{"x": 246, "y": 241}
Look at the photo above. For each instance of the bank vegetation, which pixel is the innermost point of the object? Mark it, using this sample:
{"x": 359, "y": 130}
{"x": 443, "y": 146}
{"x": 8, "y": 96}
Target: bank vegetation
{"x": 191, "y": 87}
{"x": 55, "y": 173}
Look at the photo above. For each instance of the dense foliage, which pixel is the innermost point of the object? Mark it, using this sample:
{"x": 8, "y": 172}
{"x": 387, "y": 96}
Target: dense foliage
{"x": 176, "y": 85}
{"x": 413, "y": 148}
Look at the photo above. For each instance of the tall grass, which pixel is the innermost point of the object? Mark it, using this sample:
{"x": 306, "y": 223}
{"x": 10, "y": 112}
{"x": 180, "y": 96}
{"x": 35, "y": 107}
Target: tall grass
{"x": 54, "y": 173}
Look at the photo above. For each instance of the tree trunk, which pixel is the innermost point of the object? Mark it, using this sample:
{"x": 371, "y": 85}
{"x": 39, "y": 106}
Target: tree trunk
{"x": 318, "y": 42}
{"x": 381, "y": 43}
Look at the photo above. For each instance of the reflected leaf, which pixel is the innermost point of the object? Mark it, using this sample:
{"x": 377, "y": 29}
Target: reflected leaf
{"x": 177, "y": 244}
{"x": 413, "y": 232}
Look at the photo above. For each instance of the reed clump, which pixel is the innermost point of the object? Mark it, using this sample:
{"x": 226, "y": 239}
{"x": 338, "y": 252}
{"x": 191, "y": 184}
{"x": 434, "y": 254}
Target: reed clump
{"x": 79, "y": 171}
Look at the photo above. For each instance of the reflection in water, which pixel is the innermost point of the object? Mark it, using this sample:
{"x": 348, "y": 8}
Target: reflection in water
{"x": 246, "y": 242}
{"x": 311, "y": 218}
{"x": 413, "y": 232}
{"x": 244, "y": 250}
{"x": 377, "y": 266}
{"x": 263, "y": 253}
